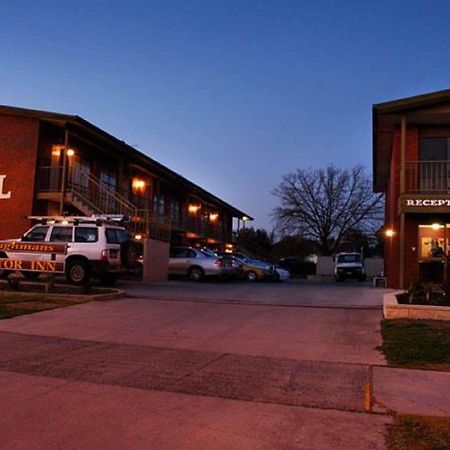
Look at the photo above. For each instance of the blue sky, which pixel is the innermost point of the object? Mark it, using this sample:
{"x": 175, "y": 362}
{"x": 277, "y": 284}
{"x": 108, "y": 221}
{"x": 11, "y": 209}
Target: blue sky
{"x": 231, "y": 94}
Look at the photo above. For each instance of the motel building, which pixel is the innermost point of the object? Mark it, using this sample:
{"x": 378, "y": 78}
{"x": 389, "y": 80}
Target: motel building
{"x": 411, "y": 161}
{"x": 58, "y": 164}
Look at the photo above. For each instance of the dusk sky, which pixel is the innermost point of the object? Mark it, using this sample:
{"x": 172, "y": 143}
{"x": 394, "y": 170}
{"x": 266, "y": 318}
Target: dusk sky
{"x": 231, "y": 94}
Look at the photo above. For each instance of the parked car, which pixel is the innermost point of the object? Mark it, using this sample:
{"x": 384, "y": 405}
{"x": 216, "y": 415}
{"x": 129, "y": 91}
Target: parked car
{"x": 283, "y": 274}
{"x": 349, "y": 265}
{"x": 254, "y": 270}
{"x": 95, "y": 248}
{"x": 197, "y": 263}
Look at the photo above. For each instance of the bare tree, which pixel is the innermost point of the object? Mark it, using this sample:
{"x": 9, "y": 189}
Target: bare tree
{"x": 326, "y": 204}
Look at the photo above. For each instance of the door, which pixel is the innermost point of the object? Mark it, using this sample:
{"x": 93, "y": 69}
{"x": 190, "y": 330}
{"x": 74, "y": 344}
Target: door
{"x": 180, "y": 260}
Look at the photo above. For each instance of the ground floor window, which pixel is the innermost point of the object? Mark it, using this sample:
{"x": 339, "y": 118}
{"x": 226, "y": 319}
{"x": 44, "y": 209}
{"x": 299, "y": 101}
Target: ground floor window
{"x": 433, "y": 240}
{"x": 433, "y": 248}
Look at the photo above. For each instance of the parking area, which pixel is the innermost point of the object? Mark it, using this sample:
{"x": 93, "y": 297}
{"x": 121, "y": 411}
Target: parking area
{"x": 295, "y": 292}
{"x": 227, "y": 365}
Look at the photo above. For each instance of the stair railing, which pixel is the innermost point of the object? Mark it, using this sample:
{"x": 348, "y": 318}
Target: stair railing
{"x": 87, "y": 190}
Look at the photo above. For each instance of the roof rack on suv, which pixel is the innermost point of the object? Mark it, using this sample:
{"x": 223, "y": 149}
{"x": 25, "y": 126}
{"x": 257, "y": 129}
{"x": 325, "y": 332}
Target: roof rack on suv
{"x": 97, "y": 219}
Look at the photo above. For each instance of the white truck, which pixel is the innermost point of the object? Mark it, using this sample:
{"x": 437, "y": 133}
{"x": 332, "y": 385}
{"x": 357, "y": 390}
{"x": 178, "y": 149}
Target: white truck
{"x": 349, "y": 265}
{"x": 96, "y": 247}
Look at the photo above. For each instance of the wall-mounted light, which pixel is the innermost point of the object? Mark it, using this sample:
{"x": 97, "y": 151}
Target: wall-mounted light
{"x": 138, "y": 185}
{"x": 56, "y": 150}
{"x": 138, "y": 237}
{"x": 70, "y": 152}
{"x": 213, "y": 217}
{"x": 389, "y": 233}
{"x": 245, "y": 218}
{"x": 437, "y": 226}
{"x": 193, "y": 209}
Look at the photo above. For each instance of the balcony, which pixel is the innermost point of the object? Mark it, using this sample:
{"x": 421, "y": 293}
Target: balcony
{"x": 203, "y": 229}
{"x": 427, "y": 177}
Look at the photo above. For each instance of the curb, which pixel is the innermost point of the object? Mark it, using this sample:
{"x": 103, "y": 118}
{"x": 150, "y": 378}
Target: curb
{"x": 117, "y": 293}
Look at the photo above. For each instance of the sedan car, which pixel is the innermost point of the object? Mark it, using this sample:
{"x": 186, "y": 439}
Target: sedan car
{"x": 252, "y": 269}
{"x": 197, "y": 263}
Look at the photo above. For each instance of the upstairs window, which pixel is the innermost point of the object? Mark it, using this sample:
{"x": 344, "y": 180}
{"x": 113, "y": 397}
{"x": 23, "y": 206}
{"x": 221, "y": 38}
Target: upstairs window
{"x": 434, "y": 149}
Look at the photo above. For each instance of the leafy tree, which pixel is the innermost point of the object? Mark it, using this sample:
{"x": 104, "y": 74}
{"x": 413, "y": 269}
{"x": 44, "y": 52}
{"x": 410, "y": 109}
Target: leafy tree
{"x": 326, "y": 204}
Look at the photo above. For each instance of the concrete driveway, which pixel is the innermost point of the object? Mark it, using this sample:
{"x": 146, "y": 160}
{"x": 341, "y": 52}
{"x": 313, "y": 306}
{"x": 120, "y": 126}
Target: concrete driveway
{"x": 187, "y": 365}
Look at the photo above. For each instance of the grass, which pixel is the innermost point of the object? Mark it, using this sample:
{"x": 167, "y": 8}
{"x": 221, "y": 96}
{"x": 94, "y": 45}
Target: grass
{"x": 13, "y": 305}
{"x": 418, "y": 433}
{"x": 417, "y": 344}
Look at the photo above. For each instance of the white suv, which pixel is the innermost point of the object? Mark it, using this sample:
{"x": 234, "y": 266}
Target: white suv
{"x": 95, "y": 248}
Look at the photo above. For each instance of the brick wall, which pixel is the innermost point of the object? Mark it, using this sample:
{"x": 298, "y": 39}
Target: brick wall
{"x": 18, "y": 152}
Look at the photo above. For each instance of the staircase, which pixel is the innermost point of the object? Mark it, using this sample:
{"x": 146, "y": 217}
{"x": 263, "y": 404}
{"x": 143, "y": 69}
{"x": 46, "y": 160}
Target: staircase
{"x": 90, "y": 196}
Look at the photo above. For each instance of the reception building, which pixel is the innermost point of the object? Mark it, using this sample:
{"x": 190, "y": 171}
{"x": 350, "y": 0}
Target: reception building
{"x": 411, "y": 163}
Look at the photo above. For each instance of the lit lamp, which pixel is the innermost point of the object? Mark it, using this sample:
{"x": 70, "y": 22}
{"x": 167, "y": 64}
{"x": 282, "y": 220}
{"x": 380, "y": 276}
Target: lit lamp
{"x": 213, "y": 217}
{"x": 56, "y": 150}
{"x": 389, "y": 233}
{"x": 138, "y": 185}
{"x": 436, "y": 226}
{"x": 193, "y": 208}
{"x": 70, "y": 152}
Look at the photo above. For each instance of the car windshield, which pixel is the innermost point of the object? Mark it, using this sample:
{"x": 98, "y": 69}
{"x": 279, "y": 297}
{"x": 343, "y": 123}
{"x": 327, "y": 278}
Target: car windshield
{"x": 351, "y": 258}
{"x": 241, "y": 257}
{"x": 208, "y": 252}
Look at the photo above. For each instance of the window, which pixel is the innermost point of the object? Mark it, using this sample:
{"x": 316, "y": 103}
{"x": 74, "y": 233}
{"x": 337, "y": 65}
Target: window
{"x": 158, "y": 204}
{"x": 37, "y": 234}
{"x": 434, "y": 149}
{"x": 175, "y": 211}
{"x": 61, "y": 234}
{"x": 182, "y": 253}
{"x": 350, "y": 258}
{"x": 111, "y": 236}
{"x": 117, "y": 236}
{"x": 434, "y": 154}
{"x": 86, "y": 234}
{"x": 122, "y": 236}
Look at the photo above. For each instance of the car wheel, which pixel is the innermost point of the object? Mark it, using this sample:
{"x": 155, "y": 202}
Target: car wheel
{"x": 196, "y": 273}
{"x": 129, "y": 254}
{"x": 251, "y": 276}
{"x": 78, "y": 272}
{"x": 108, "y": 279}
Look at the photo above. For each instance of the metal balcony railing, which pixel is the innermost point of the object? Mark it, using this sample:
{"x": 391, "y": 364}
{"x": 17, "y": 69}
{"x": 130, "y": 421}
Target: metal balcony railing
{"x": 427, "y": 177}
{"x": 88, "y": 193}
{"x": 91, "y": 196}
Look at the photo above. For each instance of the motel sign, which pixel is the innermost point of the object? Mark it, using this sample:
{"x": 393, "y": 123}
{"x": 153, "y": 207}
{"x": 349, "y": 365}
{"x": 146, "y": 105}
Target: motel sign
{"x": 3, "y": 195}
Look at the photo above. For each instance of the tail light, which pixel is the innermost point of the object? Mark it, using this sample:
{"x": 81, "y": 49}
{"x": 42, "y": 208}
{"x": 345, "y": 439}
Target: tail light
{"x": 104, "y": 256}
{"x": 218, "y": 262}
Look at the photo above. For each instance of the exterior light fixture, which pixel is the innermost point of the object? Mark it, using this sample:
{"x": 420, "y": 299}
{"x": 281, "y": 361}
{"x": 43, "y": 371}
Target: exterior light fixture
{"x": 213, "y": 217}
{"x": 138, "y": 185}
{"x": 193, "y": 208}
{"x": 245, "y": 218}
{"x": 70, "y": 152}
{"x": 56, "y": 150}
{"x": 138, "y": 237}
{"x": 436, "y": 226}
{"x": 389, "y": 233}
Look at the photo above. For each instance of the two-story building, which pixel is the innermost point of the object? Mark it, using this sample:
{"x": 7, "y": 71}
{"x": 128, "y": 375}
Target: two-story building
{"x": 58, "y": 164}
{"x": 411, "y": 162}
